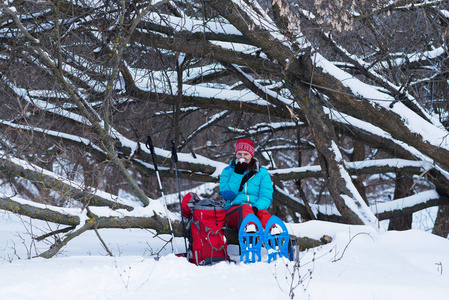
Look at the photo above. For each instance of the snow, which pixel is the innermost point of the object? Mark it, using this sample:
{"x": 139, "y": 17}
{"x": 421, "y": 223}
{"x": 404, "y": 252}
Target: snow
{"x": 188, "y": 24}
{"x": 433, "y": 133}
{"x": 360, "y": 263}
{"x": 406, "y": 201}
{"x": 356, "y": 202}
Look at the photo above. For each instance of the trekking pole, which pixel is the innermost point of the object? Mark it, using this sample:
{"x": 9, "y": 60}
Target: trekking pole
{"x": 150, "y": 146}
{"x": 174, "y": 157}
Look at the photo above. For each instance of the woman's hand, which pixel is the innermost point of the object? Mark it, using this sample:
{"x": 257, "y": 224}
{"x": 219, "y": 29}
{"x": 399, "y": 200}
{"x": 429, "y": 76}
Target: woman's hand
{"x": 240, "y": 167}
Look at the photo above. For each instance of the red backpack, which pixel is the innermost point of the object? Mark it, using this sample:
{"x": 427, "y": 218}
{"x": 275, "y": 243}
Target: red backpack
{"x": 205, "y": 223}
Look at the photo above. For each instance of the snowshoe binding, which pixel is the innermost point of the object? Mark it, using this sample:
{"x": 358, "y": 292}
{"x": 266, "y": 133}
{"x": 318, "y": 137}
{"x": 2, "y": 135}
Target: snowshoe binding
{"x": 250, "y": 239}
{"x": 276, "y": 239}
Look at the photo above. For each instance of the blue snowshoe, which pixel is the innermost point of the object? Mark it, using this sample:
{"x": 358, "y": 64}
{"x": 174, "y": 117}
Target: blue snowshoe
{"x": 276, "y": 239}
{"x": 250, "y": 239}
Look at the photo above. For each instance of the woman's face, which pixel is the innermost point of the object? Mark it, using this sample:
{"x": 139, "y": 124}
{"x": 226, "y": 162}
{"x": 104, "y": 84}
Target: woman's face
{"x": 243, "y": 154}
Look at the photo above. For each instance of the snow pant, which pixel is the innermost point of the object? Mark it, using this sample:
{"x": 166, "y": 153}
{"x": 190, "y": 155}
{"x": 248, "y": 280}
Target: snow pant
{"x": 236, "y": 214}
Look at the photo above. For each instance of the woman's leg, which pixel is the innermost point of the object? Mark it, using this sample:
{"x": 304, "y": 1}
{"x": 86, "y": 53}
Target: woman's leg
{"x": 236, "y": 214}
{"x": 263, "y": 215}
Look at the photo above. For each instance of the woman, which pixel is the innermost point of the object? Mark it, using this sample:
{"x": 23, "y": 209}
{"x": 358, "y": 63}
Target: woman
{"x": 245, "y": 186}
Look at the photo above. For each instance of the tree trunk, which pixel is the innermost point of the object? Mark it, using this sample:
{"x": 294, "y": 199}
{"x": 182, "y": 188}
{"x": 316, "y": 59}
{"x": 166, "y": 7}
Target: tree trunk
{"x": 441, "y": 227}
{"x": 403, "y": 184}
{"x": 359, "y": 155}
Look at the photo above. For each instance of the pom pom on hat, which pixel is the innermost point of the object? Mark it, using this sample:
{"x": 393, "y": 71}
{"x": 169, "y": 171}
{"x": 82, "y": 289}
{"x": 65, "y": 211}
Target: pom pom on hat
{"x": 245, "y": 145}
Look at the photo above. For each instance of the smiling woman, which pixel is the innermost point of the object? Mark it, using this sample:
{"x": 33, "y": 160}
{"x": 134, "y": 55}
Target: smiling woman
{"x": 246, "y": 187}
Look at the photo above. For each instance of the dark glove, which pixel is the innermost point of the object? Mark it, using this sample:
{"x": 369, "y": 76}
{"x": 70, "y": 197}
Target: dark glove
{"x": 240, "y": 167}
{"x": 255, "y": 209}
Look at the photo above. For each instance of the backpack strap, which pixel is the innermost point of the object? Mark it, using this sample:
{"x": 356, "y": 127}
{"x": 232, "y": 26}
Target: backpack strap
{"x": 246, "y": 178}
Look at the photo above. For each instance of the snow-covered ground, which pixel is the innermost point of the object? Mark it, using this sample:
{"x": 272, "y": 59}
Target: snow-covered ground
{"x": 360, "y": 263}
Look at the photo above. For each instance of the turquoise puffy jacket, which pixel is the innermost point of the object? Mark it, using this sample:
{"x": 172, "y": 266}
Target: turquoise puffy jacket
{"x": 257, "y": 191}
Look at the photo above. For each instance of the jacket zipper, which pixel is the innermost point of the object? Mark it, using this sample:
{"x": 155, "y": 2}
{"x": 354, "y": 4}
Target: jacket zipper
{"x": 246, "y": 188}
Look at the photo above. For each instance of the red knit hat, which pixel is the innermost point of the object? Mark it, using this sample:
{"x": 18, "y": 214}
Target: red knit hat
{"x": 245, "y": 145}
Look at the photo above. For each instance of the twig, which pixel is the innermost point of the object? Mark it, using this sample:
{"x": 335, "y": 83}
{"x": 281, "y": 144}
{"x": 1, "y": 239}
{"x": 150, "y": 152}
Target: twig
{"x": 42, "y": 237}
{"x": 346, "y": 247}
{"x": 102, "y": 242}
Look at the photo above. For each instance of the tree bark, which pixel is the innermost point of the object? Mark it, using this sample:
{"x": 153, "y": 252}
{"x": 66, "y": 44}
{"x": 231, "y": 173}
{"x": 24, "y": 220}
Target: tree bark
{"x": 404, "y": 182}
{"x": 441, "y": 227}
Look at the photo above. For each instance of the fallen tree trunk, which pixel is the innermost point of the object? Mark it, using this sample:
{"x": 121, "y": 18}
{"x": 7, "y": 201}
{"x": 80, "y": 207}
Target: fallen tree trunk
{"x": 155, "y": 222}
{"x": 64, "y": 217}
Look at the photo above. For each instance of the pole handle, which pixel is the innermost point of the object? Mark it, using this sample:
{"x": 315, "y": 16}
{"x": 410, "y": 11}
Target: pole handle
{"x": 174, "y": 155}
{"x": 150, "y": 146}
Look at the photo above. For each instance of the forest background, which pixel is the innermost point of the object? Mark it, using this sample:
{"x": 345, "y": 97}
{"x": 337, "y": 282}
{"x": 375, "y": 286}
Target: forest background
{"x": 346, "y": 102}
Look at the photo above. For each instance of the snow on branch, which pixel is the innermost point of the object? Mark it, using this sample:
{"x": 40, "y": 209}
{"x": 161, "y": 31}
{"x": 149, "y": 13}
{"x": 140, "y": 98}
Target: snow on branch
{"x": 433, "y": 133}
{"x": 81, "y": 220}
{"x": 359, "y": 167}
{"x": 265, "y": 127}
{"x": 45, "y": 105}
{"x": 212, "y": 120}
{"x": 66, "y": 188}
{"x": 390, "y": 209}
{"x": 170, "y": 24}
